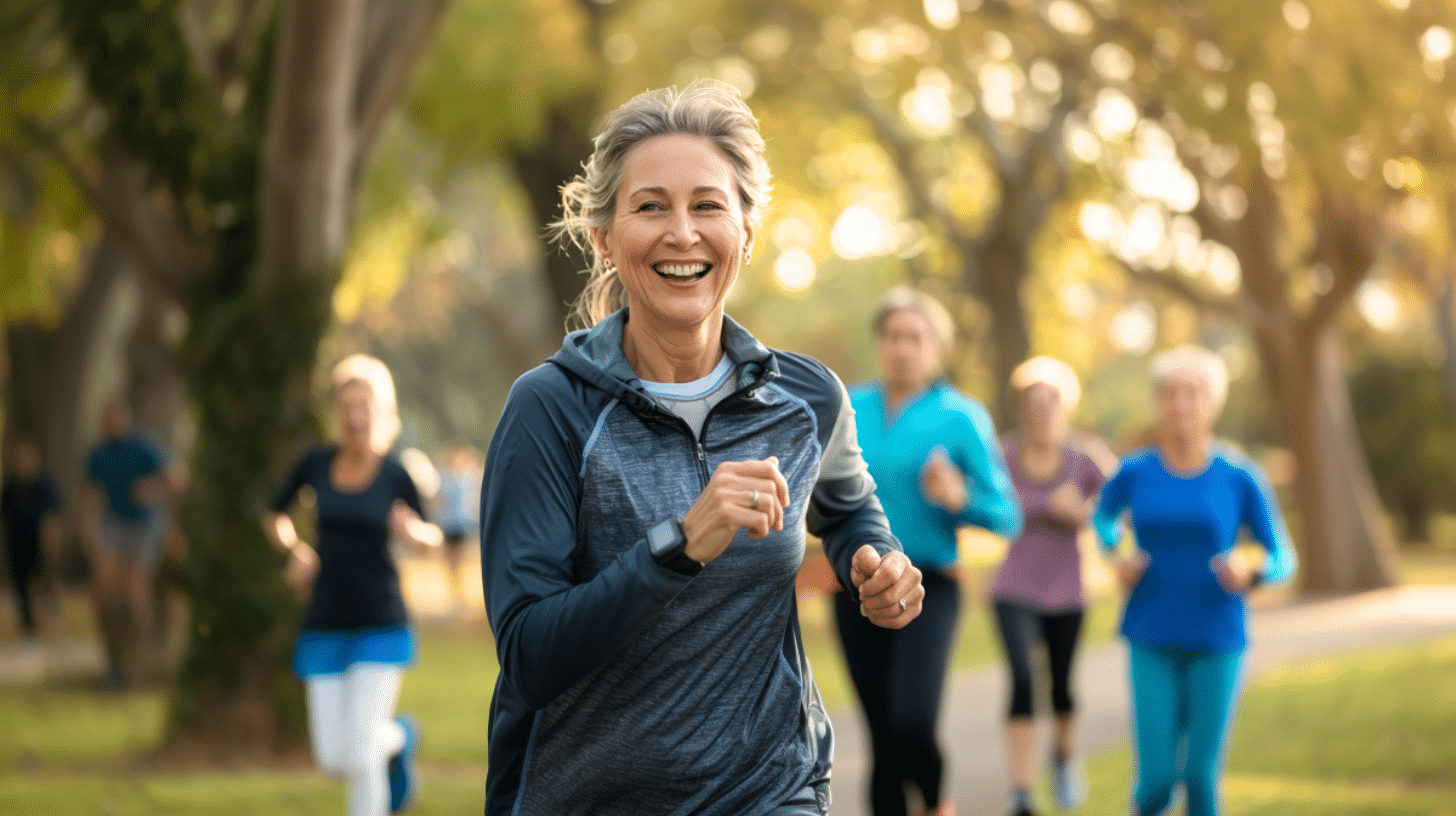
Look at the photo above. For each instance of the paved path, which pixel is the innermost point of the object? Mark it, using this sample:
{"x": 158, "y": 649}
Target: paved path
{"x": 972, "y": 723}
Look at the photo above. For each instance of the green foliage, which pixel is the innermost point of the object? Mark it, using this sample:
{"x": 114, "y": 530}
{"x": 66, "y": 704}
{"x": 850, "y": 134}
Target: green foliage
{"x": 137, "y": 64}
{"x": 41, "y": 212}
{"x": 1410, "y": 440}
{"x": 494, "y": 70}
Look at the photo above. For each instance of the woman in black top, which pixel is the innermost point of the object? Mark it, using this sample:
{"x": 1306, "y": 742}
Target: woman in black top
{"x": 30, "y": 511}
{"x": 356, "y": 639}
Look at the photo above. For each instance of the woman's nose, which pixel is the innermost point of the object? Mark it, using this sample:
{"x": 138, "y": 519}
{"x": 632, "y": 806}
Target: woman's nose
{"x": 681, "y": 230}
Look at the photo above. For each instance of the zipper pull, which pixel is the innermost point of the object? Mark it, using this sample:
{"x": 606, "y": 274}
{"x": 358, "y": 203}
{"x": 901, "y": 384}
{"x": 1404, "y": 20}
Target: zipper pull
{"x": 700, "y": 452}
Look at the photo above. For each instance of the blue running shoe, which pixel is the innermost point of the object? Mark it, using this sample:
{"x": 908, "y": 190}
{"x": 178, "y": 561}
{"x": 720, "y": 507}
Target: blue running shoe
{"x": 1069, "y": 784}
{"x": 402, "y": 774}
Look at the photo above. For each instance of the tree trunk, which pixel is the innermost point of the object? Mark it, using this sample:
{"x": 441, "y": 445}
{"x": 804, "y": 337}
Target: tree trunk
{"x": 51, "y": 368}
{"x": 1443, "y": 310}
{"x": 541, "y": 168}
{"x": 1004, "y": 262}
{"x": 156, "y": 387}
{"x": 1366, "y": 552}
{"x": 251, "y": 351}
{"x": 1415, "y": 520}
{"x": 1344, "y": 546}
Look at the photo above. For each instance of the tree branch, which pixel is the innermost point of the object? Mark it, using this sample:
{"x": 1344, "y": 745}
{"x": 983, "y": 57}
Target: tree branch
{"x": 1344, "y": 242}
{"x": 395, "y": 35}
{"x": 192, "y": 23}
{"x": 231, "y": 55}
{"x": 118, "y": 202}
{"x": 903, "y": 156}
{"x": 1184, "y": 289}
{"x": 985, "y": 130}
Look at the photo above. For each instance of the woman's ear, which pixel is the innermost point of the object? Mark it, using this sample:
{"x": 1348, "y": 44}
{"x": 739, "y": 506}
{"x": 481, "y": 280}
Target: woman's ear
{"x": 599, "y": 243}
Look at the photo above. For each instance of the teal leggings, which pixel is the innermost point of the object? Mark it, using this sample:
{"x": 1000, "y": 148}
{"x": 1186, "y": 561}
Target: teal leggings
{"x": 1183, "y": 700}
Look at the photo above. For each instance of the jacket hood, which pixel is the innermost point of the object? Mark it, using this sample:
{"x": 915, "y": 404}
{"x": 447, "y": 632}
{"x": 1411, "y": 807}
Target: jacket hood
{"x": 595, "y": 356}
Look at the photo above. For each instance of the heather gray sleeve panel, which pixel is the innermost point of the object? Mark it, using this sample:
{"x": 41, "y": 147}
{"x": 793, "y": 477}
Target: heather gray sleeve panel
{"x": 550, "y": 631}
{"x": 843, "y": 510}
{"x": 843, "y": 458}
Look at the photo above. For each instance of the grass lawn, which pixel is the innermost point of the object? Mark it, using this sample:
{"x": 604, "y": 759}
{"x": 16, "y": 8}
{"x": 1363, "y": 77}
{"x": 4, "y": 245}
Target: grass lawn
{"x": 1371, "y": 733}
{"x": 1368, "y": 734}
{"x": 67, "y": 750}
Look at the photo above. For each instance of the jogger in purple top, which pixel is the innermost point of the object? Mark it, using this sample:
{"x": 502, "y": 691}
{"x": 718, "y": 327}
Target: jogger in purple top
{"x": 1037, "y": 593}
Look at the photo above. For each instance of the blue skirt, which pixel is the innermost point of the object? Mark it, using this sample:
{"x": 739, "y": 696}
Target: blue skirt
{"x": 322, "y": 652}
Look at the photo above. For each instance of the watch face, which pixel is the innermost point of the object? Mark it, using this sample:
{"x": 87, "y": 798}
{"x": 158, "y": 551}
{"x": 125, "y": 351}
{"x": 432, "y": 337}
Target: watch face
{"x": 662, "y": 537}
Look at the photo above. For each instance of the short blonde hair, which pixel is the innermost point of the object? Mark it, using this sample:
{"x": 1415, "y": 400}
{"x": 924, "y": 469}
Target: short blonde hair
{"x": 903, "y": 297}
{"x": 1052, "y": 372}
{"x": 374, "y": 375}
{"x": 709, "y": 109}
{"x": 1206, "y": 366}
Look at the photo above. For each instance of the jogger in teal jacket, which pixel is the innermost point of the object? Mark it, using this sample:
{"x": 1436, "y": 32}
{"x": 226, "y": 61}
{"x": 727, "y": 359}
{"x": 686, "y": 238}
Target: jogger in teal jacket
{"x": 937, "y": 466}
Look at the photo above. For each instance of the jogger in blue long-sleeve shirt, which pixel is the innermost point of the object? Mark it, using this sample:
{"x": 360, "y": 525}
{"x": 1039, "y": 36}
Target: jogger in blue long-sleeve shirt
{"x": 1188, "y": 500}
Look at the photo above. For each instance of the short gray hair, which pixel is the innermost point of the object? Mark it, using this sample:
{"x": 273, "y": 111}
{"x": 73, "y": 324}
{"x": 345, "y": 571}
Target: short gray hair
{"x": 903, "y": 297}
{"x": 712, "y": 110}
{"x": 1052, "y": 373}
{"x": 1203, "y": 364}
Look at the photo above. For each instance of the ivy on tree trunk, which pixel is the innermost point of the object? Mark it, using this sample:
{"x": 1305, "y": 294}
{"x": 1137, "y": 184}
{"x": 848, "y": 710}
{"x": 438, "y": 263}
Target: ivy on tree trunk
{"x": 240, "y": 208}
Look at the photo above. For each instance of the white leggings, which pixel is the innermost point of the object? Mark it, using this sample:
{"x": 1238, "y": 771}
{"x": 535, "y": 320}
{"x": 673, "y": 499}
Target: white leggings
{"x": 351, "y": 719}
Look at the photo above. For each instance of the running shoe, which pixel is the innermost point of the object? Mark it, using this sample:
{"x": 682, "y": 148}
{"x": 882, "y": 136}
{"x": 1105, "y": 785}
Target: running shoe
{"x": 402, "y": 772}
{"x": 1069, "y": 783}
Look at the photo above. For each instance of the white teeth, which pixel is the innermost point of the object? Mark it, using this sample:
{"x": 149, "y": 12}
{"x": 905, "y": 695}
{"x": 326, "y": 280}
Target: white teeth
{"x": 681, "y": 270}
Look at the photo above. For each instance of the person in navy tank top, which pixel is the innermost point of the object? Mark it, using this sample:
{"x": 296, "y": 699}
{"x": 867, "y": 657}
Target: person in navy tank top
{"x": 355, "y": 641}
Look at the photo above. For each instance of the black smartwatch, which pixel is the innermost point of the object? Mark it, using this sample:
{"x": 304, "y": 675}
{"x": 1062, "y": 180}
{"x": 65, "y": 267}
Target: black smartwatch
{"x": 669, "y": 548}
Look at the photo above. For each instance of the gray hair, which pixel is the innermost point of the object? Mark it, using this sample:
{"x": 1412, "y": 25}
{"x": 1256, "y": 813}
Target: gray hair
{"x": 1050, "y": 372}
{"x": 903, "y": 297}
{"x": 1204, "y": 365}
{"x": 712, "y": 110}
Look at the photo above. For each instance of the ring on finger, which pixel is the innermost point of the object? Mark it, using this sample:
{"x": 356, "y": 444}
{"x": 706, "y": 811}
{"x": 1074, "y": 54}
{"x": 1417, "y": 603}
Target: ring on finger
{"x": 902, "y": 606}
{"x": 753, "y": 499}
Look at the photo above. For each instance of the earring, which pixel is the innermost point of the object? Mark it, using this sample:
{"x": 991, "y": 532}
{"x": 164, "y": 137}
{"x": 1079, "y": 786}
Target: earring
{"x": 747, "y": 257}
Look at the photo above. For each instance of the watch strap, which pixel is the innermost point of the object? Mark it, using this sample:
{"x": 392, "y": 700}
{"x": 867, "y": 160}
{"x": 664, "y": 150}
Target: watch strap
{"x": 674, "y": 557}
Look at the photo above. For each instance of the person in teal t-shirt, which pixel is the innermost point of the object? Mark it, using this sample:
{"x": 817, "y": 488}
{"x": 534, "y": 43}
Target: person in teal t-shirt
{"x": 129, "y": 480}
{"x": 937, "y": 465}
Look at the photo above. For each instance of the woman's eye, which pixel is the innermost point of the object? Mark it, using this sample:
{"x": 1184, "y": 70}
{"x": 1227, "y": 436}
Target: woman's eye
{"x": 649, "y": 206}
{"x": 709, "y": 205}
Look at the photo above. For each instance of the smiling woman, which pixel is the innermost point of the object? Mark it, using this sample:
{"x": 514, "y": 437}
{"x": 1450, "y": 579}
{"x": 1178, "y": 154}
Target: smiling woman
{"x": 646, "y": 499}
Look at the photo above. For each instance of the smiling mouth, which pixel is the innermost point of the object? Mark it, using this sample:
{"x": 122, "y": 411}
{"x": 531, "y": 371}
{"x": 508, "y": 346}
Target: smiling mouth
{"x": 682, "y": 271}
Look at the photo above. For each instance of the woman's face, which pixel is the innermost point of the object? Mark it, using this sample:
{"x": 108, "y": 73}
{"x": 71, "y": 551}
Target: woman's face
{"x": 909, "y": 350}
{"x": 354, "y": 410}
{"x": 25, "y": 458}
{"x": 1042, "y": 416}
{"x": 679, "y": 231}
{"x": 1186, "y": 412}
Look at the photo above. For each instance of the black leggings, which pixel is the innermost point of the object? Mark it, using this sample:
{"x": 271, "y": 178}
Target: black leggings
{"x": 24, "y": 566}
{"x": 899, "y": 675}
{"x": 1021, "y": 628}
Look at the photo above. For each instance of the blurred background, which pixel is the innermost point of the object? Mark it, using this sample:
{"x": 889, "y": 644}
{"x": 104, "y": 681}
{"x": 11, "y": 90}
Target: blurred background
{"x": 206, "y": 203}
